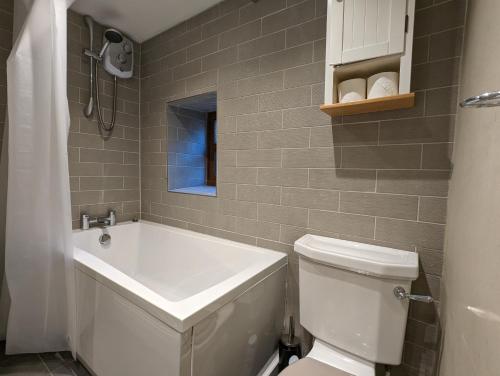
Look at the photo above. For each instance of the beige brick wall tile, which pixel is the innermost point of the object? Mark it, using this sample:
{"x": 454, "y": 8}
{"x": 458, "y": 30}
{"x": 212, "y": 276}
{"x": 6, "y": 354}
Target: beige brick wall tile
{"x": 259, "y": 193}
{"x": 243, "y": 175}
{"x": 120, "y": 195}
{"x": 241, "y": 34}
{"x": 195, "y": 51}
{"x": 238, "y": 208}
{"x": 432, "y": 260}
{"x": 340, "y": 223}
{"x": 239, "y": 106}
{"x": 343, "y": 179}
{"x": 259, "y": 158}
{"x": 188, "y": 69}
{"x": 425, "y": 130}
{"x": 200, "y": 81}
{"x": 383, "y": 205}
{"x": 252, "y": 11}
{"x": 286, "y": 177}
{"x": 437, "y": 156}
{"x": 265, "y": 230}
{"x": 220, "y": 24}
{"x": 91, "y": 183}
{"x": 436, "y": 74}
{"x": 95, "y": 155}
{"x": 314, "y": 157}
{"x": 442, "y": 101}
{"x": 432, "y": 209}
{"x": 306, "y": 32}
{"x": 305, "y": 75}
{"x": 260, "y": 122}
{"x": 288, "y": 58}
{"x": 283, "y": 215}
{"x": 382, "y": 157}
{"x": 311, "y": 198}
{"x": 240, "y": 70}
{"x": 419, "y": 234}
{"x": 238, "y": 141}
{"x": 219, "y": 59}
{"x": 289, "y": 234}
{"x": 305, "y": 117}
{"x": 288, "y": 138}
{"x": 354, "y": 134}
{"x": 419, "y": 182}
{"x": 261, "y": 46}
{"x": 289, "y": 98}
{"x": 261, "y": 84}
{"x": 289, "y": 17}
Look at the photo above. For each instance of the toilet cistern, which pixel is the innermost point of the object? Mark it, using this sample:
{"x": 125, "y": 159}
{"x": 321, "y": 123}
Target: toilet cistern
{"x": 354, "y": 300}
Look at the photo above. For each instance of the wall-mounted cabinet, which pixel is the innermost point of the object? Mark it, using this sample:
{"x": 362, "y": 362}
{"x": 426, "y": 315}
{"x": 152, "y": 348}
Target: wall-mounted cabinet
{"x": 365, "y": 37}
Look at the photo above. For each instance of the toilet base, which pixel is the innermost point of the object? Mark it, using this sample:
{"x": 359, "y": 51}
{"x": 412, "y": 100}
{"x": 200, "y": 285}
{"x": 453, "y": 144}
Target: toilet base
{"x": 340, "y": 359}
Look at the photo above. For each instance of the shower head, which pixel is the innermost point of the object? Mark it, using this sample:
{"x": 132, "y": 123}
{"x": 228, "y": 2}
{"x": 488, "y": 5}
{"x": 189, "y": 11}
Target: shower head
{"x": 113, "y": 35}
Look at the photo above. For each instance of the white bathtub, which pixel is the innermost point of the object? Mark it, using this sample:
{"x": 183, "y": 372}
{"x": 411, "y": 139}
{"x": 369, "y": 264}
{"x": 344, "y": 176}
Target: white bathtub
{"x": 165, "y": 301}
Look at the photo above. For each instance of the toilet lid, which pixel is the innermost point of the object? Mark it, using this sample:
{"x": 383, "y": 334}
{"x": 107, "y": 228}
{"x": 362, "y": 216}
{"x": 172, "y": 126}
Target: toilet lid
{"x": 312, "y": 367}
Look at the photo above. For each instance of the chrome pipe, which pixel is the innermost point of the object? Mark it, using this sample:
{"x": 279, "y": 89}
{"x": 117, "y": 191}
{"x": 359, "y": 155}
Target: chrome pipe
{"x": 90, "y": 106}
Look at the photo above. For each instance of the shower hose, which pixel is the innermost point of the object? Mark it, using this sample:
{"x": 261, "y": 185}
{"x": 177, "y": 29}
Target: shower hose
{"x": 105, "y": 129}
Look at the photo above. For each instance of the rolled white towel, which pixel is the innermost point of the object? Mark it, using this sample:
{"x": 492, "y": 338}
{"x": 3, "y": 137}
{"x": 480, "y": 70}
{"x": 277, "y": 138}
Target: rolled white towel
{"x": 352, "y": 90}
{"x": 383, "y": 84}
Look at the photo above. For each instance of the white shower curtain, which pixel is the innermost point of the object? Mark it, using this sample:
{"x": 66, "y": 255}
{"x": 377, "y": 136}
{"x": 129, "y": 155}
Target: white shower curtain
{"x": 38, "y": 244}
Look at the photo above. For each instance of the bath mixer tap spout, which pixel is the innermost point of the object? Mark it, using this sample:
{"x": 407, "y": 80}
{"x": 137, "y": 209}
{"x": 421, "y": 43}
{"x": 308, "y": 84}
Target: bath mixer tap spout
{"x": 88, "y": 221}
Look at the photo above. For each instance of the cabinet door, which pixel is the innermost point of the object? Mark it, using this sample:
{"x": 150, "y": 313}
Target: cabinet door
{"x": 371, "y": 28}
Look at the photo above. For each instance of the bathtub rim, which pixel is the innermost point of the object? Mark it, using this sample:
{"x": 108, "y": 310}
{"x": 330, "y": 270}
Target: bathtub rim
{"x": 184, "y": 314}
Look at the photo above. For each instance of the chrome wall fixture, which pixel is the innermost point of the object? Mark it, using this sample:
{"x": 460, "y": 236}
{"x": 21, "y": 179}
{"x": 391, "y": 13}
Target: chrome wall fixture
{"x": 90, "y": 106}
{"x": 401, "y": 294}
{"x": 488, "y": 99}
{"x": 87, "y": 221}
{"x": 116, "y": 56}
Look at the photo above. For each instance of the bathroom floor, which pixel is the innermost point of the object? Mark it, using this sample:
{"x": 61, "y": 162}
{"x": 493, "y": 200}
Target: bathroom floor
{"x": 46, "y": 364}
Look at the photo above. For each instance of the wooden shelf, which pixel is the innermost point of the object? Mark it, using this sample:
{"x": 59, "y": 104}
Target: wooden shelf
{"x": 370, "y": 105}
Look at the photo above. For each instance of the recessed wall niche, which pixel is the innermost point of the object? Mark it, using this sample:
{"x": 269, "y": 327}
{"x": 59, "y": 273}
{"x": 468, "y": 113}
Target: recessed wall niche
{"x": 192, "y": 145}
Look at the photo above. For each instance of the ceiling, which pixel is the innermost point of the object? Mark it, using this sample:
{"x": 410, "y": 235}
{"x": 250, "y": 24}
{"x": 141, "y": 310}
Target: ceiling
{"x": 141, "y": 19}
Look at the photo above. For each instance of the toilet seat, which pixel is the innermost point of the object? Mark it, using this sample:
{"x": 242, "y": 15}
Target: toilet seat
{"x": 327, "y": 360}
{"x": 312, "y": 367}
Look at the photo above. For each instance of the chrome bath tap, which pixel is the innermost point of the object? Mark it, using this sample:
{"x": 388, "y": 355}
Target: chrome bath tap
{"x": 88, "y": 221}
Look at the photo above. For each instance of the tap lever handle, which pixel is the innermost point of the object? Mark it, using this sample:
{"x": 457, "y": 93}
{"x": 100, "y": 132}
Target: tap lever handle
{"x": 112, "y": 217}
{"x": 85, "y": 221}
{"x": 401, "y": 294}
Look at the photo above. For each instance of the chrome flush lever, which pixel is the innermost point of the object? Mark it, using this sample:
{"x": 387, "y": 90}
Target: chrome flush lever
{"x": 401, "y": 294}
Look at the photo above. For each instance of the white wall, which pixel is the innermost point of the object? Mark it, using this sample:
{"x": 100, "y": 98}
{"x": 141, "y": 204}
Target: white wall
{"x": 471, "y": 280}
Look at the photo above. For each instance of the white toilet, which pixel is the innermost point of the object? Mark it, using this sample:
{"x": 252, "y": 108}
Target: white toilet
{"x": 353, "y": 301}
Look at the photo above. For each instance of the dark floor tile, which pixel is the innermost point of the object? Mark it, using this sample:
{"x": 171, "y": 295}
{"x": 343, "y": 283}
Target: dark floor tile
{"x": 79, "y": 370}
{"x": 53, "y": 364}
{"x": 23, "y": 365}
{"x": 62, "y": 371}
{"x": 62, "y": 363}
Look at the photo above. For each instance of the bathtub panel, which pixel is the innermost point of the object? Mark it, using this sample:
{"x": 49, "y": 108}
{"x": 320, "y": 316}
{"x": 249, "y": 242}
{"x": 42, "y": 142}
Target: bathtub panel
{"x": 241, "y": 336}
{"x": 117, "y": 338}
{"x": 178, "y": 276}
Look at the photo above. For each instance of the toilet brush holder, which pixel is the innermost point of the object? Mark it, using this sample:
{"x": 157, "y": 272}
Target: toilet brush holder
{"x": 289, "y": 347}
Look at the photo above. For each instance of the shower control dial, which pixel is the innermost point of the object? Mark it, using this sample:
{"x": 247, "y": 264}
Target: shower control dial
{"x": 127, "y": 48}
{"x": 121, "y": 58}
